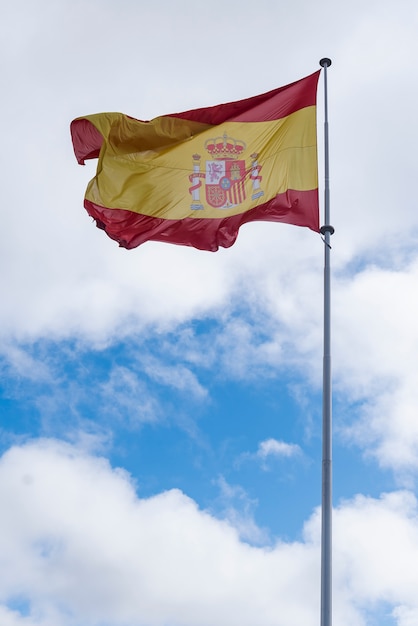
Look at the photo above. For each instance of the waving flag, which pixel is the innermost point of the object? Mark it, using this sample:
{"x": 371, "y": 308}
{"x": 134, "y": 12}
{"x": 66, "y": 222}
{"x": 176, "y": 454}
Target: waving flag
{"x": 194, "y": 178}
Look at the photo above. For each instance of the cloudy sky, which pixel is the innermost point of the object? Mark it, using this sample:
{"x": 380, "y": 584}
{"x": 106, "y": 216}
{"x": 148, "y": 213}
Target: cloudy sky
{"x": 161, "y": 407}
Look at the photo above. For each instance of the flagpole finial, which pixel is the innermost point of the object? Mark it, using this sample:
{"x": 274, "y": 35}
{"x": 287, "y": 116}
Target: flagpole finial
{"x": 325, "y": 62}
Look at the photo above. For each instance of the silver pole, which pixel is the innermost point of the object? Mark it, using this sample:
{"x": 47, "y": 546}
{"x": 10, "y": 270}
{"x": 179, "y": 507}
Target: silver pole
{"x": 326, "y": 531}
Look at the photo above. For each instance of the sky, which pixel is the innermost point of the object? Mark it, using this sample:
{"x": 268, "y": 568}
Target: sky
{"x": 160, "y": 429}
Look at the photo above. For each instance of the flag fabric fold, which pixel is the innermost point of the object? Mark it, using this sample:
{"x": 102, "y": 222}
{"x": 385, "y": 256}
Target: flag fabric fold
{"x": 194, "y": 178}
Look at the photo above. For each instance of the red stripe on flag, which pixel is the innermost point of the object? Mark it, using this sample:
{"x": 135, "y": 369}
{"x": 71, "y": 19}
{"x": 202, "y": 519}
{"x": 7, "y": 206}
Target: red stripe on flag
{"x": 272, "y": 105}
{"x": 132, "y": 229}
{"x": 87, "y": 140}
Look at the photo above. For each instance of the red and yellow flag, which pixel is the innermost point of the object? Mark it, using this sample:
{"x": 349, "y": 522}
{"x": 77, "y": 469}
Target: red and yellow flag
{"x": 194, "y": 178}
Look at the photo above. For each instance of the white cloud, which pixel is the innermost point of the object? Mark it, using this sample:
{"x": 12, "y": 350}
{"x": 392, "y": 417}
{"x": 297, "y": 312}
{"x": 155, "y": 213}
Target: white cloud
{"x": 23, "y": 365}
{"x": 127, "y": 397}
{"x": 406, "y": 616}
{"x": 76, "y": 538}
{"x": 237, "y": 508}
{"x": 176, "y": 376}
{"x": 375, "y": 553}
{"x": 273, "y": 447}
{"x": 268, "y": 450}
{"x": 77, "y": 542}
{"x": 375, "y": 343}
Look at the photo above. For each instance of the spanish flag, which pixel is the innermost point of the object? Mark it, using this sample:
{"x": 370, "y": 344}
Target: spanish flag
{"x": 194, "y": 178}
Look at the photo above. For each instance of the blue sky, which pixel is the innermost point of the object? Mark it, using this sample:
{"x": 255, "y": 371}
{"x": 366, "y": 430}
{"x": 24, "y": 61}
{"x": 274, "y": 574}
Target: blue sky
{"x": 160, "y": 408}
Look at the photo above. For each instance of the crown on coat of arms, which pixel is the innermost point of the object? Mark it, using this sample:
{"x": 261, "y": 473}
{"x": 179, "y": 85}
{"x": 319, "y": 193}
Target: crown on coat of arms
{"x": 225, "y": 147}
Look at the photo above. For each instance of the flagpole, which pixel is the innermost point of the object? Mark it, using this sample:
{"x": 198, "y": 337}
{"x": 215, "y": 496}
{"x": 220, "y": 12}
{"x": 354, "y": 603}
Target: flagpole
{"x": 326, "y": 529}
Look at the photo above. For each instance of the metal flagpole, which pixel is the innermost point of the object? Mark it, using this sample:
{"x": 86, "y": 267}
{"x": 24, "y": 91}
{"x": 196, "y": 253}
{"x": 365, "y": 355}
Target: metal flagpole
{"x": 326, "y": 532}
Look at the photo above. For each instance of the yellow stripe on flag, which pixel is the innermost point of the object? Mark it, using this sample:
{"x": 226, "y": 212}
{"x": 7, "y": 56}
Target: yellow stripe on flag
{"x": 164, "y": 169}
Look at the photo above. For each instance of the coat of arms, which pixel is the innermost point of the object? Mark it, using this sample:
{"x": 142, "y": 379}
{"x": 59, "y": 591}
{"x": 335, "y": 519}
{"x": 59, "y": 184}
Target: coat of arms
{"x": 225, "y": 175}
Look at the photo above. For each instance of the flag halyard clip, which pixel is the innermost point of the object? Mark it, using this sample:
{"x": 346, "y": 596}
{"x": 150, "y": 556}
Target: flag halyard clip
{"x": 326, "y": 229}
